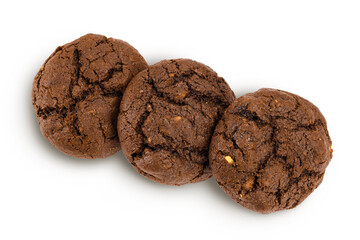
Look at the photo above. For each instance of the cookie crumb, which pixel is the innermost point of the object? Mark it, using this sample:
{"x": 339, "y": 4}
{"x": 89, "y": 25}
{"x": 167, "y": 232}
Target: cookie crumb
{"x": 277, "y": 104}
{"x": 149, "y": 108}
{"x": 249, "y": 184}
{"x": 181, "y": 95}
{"x": 229, "y": 159}
{"x": 177, "y": 118}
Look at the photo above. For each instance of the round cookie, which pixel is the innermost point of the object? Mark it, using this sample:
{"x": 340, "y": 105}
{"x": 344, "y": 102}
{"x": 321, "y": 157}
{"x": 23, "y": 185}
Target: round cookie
{"x": 270, "y": 150}
{"x": 77, "y": 92}
{"x": 167, "y": 117}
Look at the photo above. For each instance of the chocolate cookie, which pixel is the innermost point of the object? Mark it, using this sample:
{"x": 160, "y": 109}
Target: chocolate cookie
{"x": 77, "y": 92}
{"x": 167, "y": 117}
{"x": 270, "y": 150}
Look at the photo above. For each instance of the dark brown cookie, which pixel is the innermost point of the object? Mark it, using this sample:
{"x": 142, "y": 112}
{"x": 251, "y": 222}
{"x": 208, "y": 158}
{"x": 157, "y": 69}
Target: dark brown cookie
{"x": 77, "y": 92}
{"x": 270, "y": 150}
{"x": 167, "y": 117}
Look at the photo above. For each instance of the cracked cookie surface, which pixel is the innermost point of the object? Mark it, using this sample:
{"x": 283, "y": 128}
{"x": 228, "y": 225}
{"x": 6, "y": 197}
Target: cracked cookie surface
{"x": 167, "y": 117}
{"x": 270, "y": 150}
{"x": 77, "y": 92}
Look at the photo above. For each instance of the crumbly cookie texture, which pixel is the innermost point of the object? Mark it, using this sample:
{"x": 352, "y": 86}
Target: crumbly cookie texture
{"x": 167, "y": 117}
{"x": 270, "y": 150}
{"x": 77, "y": 92}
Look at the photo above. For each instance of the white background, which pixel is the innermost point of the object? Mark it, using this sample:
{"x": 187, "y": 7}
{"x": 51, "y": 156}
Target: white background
{"x": 308, "y": 47}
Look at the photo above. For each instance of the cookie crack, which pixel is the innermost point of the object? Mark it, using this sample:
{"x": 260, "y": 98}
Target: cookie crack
{"x": 75, "y": 120}
{"x": 184, "y": 78}
{"x": 138, "y": 129}
{"x": 162, "y": 95}
{"x": 310, "y": 127}
{"x": 200, "y": 97}
{"x": 48, "y": 111}
{"x": 251, "y": 116}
